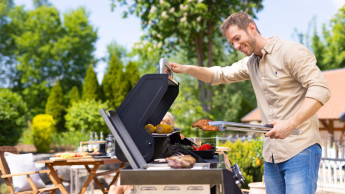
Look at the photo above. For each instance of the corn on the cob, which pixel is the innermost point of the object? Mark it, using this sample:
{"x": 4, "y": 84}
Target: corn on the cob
{"x": 163, "y": 128}
{"x": 150, "y": 128}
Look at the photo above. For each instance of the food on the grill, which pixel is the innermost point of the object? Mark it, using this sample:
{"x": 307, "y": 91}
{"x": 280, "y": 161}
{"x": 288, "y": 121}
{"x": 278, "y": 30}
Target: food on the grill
{"x": 163, "y": 128}
{"x": 203, "y": 124}
{"x": 150, "y": 128}
{"x": 181, "y": 161}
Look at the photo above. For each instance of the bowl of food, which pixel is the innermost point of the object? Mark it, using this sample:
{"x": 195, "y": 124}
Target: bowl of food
{"x": 205, "y": 151}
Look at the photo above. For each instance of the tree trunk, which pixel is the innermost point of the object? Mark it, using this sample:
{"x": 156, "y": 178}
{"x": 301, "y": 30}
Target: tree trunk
{"x": 209, "y": 61}
{"x": 201, "y": 85}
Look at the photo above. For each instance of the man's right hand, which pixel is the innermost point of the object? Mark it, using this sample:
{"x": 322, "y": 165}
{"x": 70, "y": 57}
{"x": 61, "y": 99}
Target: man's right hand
{"x": 177, "y": 68}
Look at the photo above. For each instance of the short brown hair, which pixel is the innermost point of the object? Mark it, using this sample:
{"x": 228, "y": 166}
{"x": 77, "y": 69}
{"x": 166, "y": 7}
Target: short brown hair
{"x": 240, "y": 19}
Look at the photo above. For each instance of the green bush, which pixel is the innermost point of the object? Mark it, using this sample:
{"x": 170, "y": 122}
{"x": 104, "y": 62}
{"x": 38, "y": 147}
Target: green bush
{"x": 91, "y": 88}
{"x": 248, "y": 156}
{"x": 43, "y": 129}
{"x": 12, "y": 117}
{"x": 55, "y": 106}
{"x": 84, "y": 116}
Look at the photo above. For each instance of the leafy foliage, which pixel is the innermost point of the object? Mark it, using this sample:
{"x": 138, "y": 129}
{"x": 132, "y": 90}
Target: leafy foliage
{"x": 147, "y": 55}
{"x": 329, "y": 50}
{"x": 55, "y": 106}
{"x": 8, "y": 70}
{"x": 43, "y": 129}
{"x": 91, "y": 89}
{"x": 114, "y": 84}
{"x": 36, "y": 97}
{"x": 188, "y": 25}
{"x": 131, "y": 74}
{"x": 44, "y": 47}
{"x": 73, "y": 96}
{"x": 84, "y": 116}
{"x": 12, "y": 117}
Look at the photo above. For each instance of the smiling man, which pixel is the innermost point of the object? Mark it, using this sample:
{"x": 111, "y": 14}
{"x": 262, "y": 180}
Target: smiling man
{"x": 289, "y": 89}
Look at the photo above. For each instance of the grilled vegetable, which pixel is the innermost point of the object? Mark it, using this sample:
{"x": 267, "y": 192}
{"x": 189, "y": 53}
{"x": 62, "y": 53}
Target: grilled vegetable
{"x": 150, "y": 128}
{"x": 205, "y": 147}
{"x": 163, "y": 128}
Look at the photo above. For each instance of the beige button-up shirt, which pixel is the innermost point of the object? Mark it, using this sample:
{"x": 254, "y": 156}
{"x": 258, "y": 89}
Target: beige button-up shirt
{"x": 284, "y": 76}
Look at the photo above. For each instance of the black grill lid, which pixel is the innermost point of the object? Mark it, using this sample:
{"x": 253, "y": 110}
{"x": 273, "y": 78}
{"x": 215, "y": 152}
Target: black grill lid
{"x": 147, "y": 103}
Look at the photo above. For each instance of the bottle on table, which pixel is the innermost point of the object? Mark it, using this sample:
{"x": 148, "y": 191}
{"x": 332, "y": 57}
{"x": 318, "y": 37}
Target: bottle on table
{"x": 96, "y": 145}
{"x": 110, "y": 146}
{"x": 90, "y": 145}
{"x": 102, "y": 145}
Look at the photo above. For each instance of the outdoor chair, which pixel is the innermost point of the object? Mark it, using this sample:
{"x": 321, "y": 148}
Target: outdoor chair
{"x": 17, "y": 183}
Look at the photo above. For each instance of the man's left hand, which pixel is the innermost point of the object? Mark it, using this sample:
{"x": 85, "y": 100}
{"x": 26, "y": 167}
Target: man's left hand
{"x": 281, "y": 129}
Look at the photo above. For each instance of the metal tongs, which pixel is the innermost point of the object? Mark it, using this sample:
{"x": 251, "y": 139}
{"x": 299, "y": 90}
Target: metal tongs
{"x": 231, "y": 126}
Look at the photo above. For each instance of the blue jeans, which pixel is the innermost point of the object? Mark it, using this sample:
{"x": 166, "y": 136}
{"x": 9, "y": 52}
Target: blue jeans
{"x": 297, "y": 175}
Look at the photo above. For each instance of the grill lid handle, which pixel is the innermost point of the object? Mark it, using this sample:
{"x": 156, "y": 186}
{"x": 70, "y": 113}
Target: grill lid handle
{"x": 165, "y": 68}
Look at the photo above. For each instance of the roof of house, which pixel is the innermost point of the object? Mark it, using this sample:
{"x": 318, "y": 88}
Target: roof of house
{"x": 333, "y": 109}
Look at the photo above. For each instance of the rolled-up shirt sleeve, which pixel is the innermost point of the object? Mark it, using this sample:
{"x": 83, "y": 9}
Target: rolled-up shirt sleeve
{"x": 303, "y": 67}
{"x": 236, "y": 72}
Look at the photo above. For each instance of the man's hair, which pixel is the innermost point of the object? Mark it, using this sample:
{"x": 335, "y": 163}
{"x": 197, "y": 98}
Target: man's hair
{"x": 240, "y": 19}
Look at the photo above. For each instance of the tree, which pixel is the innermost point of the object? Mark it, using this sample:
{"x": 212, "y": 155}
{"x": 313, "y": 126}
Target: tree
{"x": 330, "y": 49}
{"x": 39, "y": 3}
{"x": 114, "y": 84}
{"x": 36, "y": 97}
{"x": 12, "y": 117}
{"x": 55, "y": 106}
{"x": 46, "y": 50}
{"x": 91, "y": 89}
{"x": 132, "y": 75}
{"x": 147, "y": 56}
{"x": 118, "y": 50}
{"x": 188, "y": 25}
{"x": 8, "y": 72}
{"x": 73, "y": 96}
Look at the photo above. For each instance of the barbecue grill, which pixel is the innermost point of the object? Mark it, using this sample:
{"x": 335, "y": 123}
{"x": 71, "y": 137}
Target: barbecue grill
{"x": 147, "y": 103}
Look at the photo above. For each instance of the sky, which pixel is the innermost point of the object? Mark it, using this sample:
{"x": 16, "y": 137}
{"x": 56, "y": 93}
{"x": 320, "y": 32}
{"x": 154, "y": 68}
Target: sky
{"x": 279, "y": 17}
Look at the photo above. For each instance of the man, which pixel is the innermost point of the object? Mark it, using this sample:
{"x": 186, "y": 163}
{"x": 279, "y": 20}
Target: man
{"x": 289, "y": 89}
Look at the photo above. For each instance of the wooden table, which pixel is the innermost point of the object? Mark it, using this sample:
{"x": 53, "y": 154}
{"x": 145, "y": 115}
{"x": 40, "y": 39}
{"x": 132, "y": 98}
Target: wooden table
{"x": 92, "y": 172}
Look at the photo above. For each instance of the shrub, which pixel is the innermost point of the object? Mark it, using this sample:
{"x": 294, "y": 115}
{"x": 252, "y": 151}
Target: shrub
{"x": 91, "y": 89}
{"x": 73, "y": 96}
{"x": 12, "y": 117}
{"x": 248, "y": 156}
{"x": 42, "y": 129}
{"x": 84, "y": 116}
{"x": 55, "y": 106}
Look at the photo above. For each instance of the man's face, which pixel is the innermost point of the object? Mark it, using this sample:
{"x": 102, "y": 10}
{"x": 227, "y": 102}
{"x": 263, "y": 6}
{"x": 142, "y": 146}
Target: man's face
{"x": 242, "y": 40}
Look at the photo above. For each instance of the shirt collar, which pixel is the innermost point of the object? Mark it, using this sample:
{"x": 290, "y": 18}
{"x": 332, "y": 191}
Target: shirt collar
{"x": 270, "y": 44}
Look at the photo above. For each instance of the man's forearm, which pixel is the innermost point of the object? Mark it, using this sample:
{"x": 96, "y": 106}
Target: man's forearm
{"x": 309, "y": 107}
{"x": 201, "y": 73}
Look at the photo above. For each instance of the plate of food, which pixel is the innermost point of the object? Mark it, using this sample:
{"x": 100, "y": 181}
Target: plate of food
{"x": 70, "y": 156}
